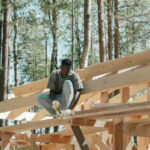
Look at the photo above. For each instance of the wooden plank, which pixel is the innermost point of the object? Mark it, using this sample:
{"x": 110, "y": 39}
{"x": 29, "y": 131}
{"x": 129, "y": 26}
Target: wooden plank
{"x": 132, "y": 129}
{"x": 118, "y": 134}
{"x": 86, "y": 130}
{"x": 95, "y": 139}
{"x": 18, "y": 143}
{"x": 31, "y": 147}
{"x": 120, "y": 110}
{"x": 85, "y": 97}
{"x": 57, "y": 146}
{"x": 79, "y": 137}
{"x": 17, "y": 112}
{"x": 31, "y": 100}
{"x": 101, "y": 144}
{"x": 117, "y": 64}
{"x": 30, "y": 87}
{"x": 111, "y": 66}
{"x": 91, "y": 101}
{"x": 127, "y": 145}
{"x": 36, "y": 124}
{"x": 18, "y": 103}
{"x": 45, "y": 138}
{"x": 82, "y": 122}
{"x": 143, "y": 143}
{"x": 6, "y": 140}
{"x": 41, "y": 114}
{"x": 109, "y": 112}
{"x": 118, "y": 81}
{"x": 134, "y": 89}
{"x": 136, "y": 130}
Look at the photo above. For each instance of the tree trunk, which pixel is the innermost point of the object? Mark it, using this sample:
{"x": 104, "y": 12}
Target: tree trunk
{"x": 87, "y": 33}
{"x": 15, "y": 43}
{"x": 1, "y": 28}
{"x": 55, "y": 37}
{"x": 116, "y": 38}
{"x": 92, "y": 52}
{"x": 8, "y": 75}
{"x": 5, "y": 52}
{"x": 102, "y": 50}
{"x": 109, "y": 16}
{"x": 46, "y": 72}
{"x": 78, "y": 45}
{"x": 72, "y": 34}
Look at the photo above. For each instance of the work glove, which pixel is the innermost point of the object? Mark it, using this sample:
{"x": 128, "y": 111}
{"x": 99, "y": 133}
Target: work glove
{"x": 67, "y": 112}
{"x": 56, "y": 105}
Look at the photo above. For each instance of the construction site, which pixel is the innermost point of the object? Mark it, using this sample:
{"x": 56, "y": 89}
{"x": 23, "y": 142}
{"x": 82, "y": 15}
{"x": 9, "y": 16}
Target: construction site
{"x": 113, "y": 111}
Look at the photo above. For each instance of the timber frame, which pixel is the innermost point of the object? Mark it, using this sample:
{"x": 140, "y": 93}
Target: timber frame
{"x": 103, "y": 119}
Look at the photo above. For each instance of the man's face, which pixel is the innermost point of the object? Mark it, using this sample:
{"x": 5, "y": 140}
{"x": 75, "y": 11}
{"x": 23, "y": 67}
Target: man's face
{"x": 65, "y": 70}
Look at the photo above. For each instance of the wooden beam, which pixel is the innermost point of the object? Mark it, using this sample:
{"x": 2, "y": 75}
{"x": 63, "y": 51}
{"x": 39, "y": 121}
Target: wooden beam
{"x": 30, "y": 87}
{"x": 125, "y": 95}
{"x": 95, "y": 139}
{"x": 31, "y": 100}
{"x": 118, "y": 81}
{"x": 91, "y": 101}
{"x": 79, "y": 137}
{"x": 30, "y": 147}
{"x": 57, "y": 146}
{"x": 35, "y": 125}
{"x": 127, "y": 145}
{"x": 18, "y": 103}
{"x": 82, "y": 122}
{"x": 45, "y": 138}
{"x": 136, "y": 130}
{"x": 95, "y": 70}
{"x": 109, "y": 112}
{"x": 17, "y": 112}
{"x": 41, "y": 114}
{"x": 18, "y": 143}
{"x": 5, "y": 137}
{"x": 134, "y": 89}
{"x": 122, "y": 110}
{"x": 132, "y": 129}
{"x": 115, "y": 65}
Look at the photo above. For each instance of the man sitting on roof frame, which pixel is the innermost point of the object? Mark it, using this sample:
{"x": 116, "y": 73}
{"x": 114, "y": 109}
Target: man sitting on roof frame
{"x": 65, "y": 87}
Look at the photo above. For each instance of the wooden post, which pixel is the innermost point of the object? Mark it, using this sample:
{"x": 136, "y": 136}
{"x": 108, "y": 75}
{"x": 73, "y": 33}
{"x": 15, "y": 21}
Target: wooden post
{"x": 104, "y": 97}
{"x": 6, "y": 140}
{"x": 80, "y": 138}
{"x": 144, "y": 141}
{"x": 118, "y": 134}
{"x": 125, "y": 94}
{"x": 118, "y": 124}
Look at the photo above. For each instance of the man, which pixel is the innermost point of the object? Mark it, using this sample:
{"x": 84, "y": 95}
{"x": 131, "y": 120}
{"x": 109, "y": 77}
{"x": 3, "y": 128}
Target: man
{"x": 65, "y": 87}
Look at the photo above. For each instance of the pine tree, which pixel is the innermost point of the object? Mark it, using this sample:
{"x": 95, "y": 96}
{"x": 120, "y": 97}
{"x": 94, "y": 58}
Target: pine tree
{"x": 87, "y": 33}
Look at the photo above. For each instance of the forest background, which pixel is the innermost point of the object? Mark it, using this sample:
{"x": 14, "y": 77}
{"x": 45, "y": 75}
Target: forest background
{"x": 35, "y": 35}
